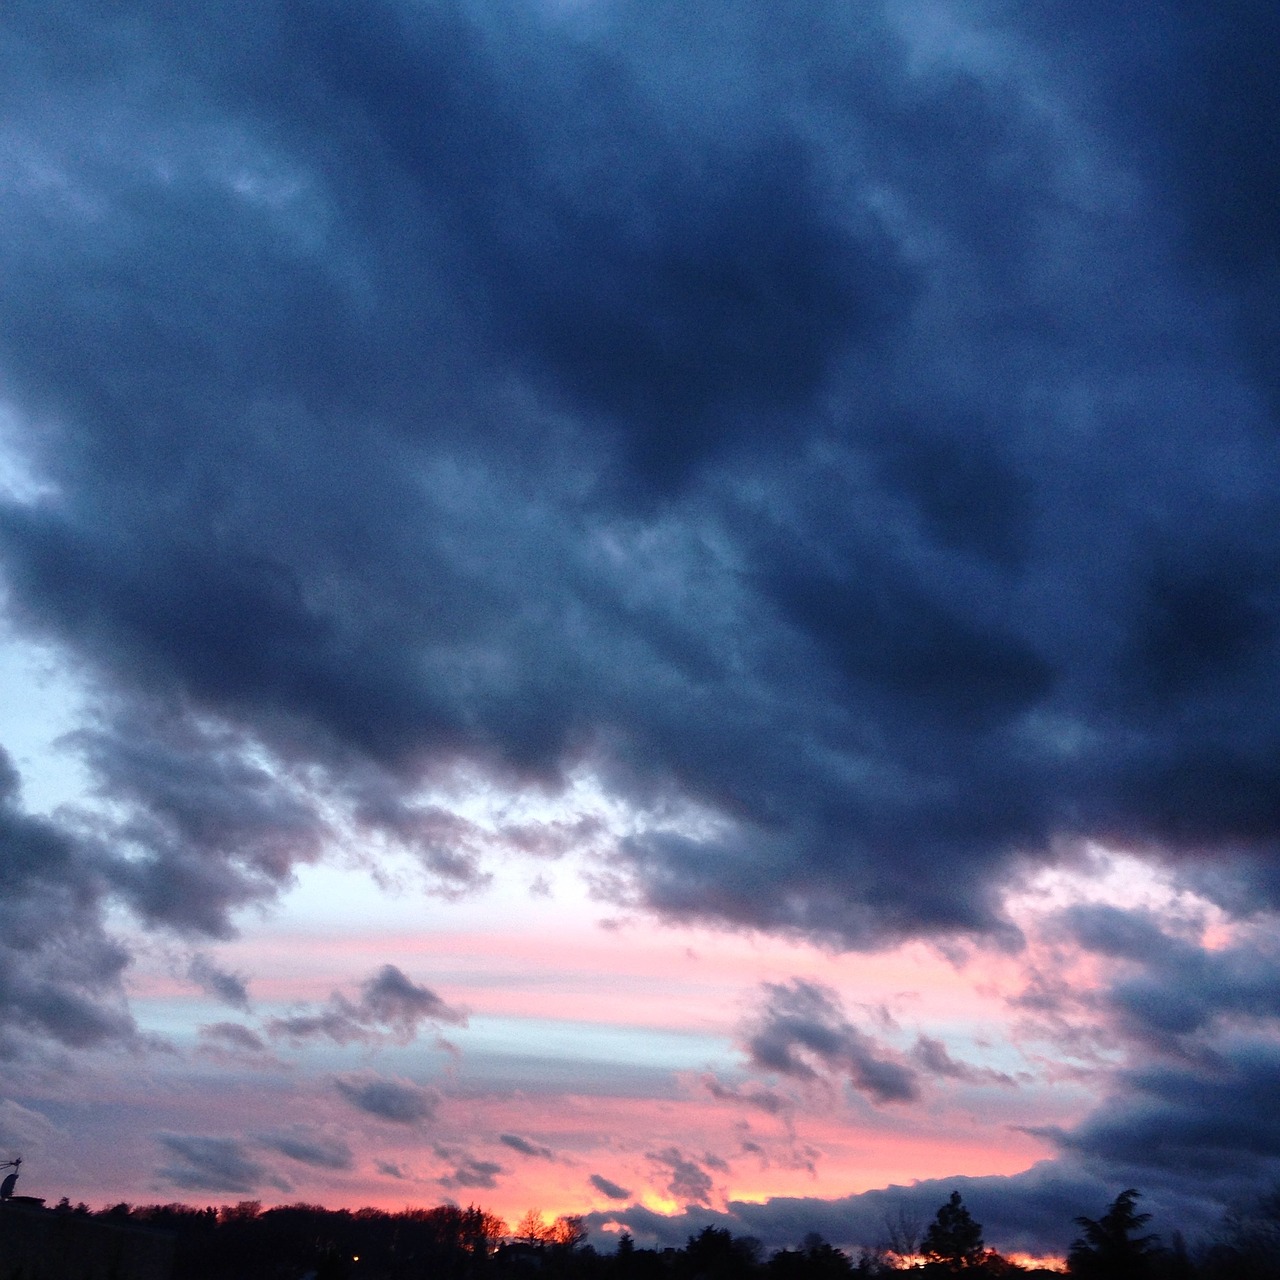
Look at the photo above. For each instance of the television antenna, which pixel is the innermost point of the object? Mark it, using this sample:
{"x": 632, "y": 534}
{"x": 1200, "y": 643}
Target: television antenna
{"x": 6, "y": 1187}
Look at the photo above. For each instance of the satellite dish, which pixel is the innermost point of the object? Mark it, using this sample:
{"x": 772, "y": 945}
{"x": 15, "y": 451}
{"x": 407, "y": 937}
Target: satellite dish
{"x": 6, "y": 1187}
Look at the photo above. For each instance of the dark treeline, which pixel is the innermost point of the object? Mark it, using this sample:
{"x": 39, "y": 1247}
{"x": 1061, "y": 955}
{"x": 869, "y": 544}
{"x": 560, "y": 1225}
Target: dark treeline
{"x": 307, "y": 1242}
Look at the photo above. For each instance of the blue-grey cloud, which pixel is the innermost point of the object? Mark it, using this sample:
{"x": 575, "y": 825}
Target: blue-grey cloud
{"x": 471, "y": 1173}
{"x": 233, "y": 1035}
{"x": 608, "y": 1188}
{"x": 525, "y": 1147}
{"x": 398, "y": 1101}
{"x": 1172, "y": 991}
{"x": 935, "y": 1058}
{"x": 230, "y": 988}
{"x": 59, "y": 969}
{"x": 767, "y": 1100}
{"x": 390, "y": 1006}
{"x": 801, "y": 1031}
{"x": 686, "y": 1178}
{"x": 1213, "y": 1120}
{"x": 310, "y": 1147}
{"x": 213, "y": 1164}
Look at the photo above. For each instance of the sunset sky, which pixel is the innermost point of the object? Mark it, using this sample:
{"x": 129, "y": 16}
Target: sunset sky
{"x": 649, "y": 608}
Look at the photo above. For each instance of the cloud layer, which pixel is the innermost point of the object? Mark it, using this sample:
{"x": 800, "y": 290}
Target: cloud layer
{"x": 815, "y": 448}
{"x": 852, "y": 450}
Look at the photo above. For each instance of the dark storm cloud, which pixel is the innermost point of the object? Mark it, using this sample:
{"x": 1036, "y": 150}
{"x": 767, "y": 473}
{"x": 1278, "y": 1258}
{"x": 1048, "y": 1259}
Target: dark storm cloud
{"x": 525, "y": 1147}
{"x": 867, "y": 446}
{"x": 1210, "y": 1126}
{"x": 320, "y": 1150}
{"x": 213, "y": 1164}
{"x": 1216, "y": 168}
{"x": 608, "y": 1188}
{"x": 391, "y": 1006}
{"x": 801, "y": 1031}
{"x": 398, "y": 1101}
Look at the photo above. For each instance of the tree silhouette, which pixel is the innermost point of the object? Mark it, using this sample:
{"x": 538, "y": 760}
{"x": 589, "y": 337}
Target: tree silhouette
{"x": 532, "y": 1229}
{"x": 716, "y": 1254}
{"x": 1109, "y": 1246}
{"x": 569, "y": 1231}
{"x": 902, "y": 1233}
{"x": 954, "y": 1240}
{"x": 814, "y": 1260}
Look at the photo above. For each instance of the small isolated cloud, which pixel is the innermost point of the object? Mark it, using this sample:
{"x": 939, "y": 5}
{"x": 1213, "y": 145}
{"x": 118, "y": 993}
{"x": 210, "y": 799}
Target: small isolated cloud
{"x": 307, "y": 1146}
{"x": 233, "y": 1035}
{"x": 394, "y": 1001}
{"x": 213, "y": 1164}
{"x": 392, "y": 1170}
{"x": 231, "y": 988}
{"x": 391, "y": 1007}
{"x": 608, "y": 1188}
{"x": 801, "y": 1031}
{"x": 525, "y": 1147}
{"x": 482, "y": 1174}
{"x": 399, "y": 1101}
{"x": 689, "y": 1182}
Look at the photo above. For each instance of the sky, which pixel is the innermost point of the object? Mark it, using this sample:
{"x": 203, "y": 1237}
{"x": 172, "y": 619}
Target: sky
{"x": 658, "y": 610}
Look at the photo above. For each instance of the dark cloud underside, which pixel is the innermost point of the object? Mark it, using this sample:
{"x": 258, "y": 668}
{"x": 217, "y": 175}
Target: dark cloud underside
{"x": 349, "y": 341}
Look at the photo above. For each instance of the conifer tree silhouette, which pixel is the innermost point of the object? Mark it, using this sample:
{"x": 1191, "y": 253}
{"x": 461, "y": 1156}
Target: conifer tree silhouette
{"x": 1110, "y": 1246}
{"x": 954, "y": 1239}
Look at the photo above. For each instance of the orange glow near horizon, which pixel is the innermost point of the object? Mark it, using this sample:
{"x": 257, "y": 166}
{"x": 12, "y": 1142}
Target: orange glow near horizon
{"x": 1047, "y": 1262}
